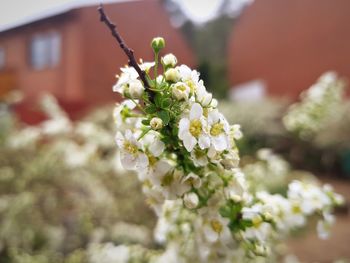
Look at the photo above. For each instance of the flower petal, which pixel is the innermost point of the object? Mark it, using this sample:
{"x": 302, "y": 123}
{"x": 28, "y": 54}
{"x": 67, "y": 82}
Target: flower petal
{"x": 128, "y": 161}
{"x": 157, "y": 147}
{"x": 183, "y": 127}
{"x": 189, "y": 142}
{"x": 196, "y": 111}
{"x": 141, "y": 161}
{"x": 204, "y": 141}
{"x": 219, "y": 142}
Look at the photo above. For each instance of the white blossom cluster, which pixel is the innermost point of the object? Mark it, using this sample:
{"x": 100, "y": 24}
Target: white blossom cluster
{"x": 184, "y": 152}
{"x": 78, "y": 142}
{"x": 267, "y": 162}
{"x": 319, "y": 104}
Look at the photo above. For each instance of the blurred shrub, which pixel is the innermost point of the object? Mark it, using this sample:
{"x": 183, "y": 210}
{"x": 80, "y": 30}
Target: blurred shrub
{"x": 327, "y": 150}
{"x": 61, "y": 189}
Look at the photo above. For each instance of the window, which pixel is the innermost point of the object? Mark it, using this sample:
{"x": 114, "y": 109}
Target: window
{"x": 45, "y": 50}
{"x": 2, "y": 58}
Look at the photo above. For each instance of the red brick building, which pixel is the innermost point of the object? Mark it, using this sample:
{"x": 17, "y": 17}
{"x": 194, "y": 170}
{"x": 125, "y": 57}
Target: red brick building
{"x": 71, "y": 54}
{"x": 290, "y": 43}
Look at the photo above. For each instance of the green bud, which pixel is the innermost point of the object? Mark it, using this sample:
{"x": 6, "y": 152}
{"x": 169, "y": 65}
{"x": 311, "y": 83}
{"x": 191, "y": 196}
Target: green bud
{"x": 157, "y": 44}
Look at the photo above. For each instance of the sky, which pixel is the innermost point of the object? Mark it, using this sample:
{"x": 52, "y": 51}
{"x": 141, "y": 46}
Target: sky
{"x": 13, "y": 11}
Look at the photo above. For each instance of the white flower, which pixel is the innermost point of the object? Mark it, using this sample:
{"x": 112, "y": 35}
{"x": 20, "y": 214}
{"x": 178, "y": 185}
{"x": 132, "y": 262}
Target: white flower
{"x": 202, "y": 95}
{"x": 191, "y": 200}
{"x": 219, "y": 130}
{"x": 180, "y": 91}
{"x": 146, "y": 66}
{"x": 230, "y": 159}
{"x": 156, "y": 171}
{"x": 192, "y": 129}
{"x": 155, "y": 197}
{"x": 172, "y": 75}
{"x": 131, "y": 155}
{"x": 136, "y": 89}
{"x": 199, "y": 157}
{"x": 235, "y": 132}
{"x": 152, "y": 142}
{"x": 173, "y": 186}
{"x": 121, "y": 114}
{"x": 108, "y": 253}
{"x": 59, "y": 125}
{"x": 156, "y": 123}
{"x": 169, "y": 60}
{"x": 216, "y": 229}
{"x": 324, "y": 226}
{"x": 189, "y": 76}
{"x": 236, "y": 188}
{"x": 193, "y": 180}
{"x": 128, "y": 74}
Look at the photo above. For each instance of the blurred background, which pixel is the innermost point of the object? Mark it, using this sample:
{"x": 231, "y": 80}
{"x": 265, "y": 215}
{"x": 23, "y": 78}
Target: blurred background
{"x": 61, "y": 186}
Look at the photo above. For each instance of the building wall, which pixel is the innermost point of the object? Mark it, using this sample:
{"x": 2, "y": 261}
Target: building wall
{"x": 138, "y": 22}
{"x": 290, "y": 43}
{"x": 90, "y": 58}
{"x": 33, "y": 82}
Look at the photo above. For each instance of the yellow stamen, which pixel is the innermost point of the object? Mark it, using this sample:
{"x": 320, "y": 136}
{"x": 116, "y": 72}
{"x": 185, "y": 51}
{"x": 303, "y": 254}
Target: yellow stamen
{"x": 196, "y": 127}
{"x": 191, "y": 84}
{"x": 217, "y": 129}
{"x": 167, "y": 179}
{"x": 216, "y": 225}
{"x": 130, "y": 147}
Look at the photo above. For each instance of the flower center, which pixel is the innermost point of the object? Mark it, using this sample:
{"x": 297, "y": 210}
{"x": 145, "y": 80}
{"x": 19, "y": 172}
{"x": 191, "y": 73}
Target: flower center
{"x": 195, "y": 127}
{"x": 191, "y": 84}
{"x": 167, "y": 179}
{"x": 130, "y": 147}
{"x": 216, "y": 225}
{"x": 199, "y": 154}
{"x": 151, "y": 160}
{"x": 296, "y": 209}
{"x": 217, "y": 129}
{"x": 181, "y": 87}
{"x": 256, "y": 220}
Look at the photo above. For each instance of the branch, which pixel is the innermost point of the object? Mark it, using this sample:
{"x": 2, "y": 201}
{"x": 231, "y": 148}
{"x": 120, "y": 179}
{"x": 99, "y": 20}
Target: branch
{"x": 128, "y": 51}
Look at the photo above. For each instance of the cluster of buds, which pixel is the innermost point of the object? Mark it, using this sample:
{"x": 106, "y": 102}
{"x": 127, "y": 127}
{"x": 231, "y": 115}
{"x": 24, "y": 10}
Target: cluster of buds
{"x": 185, "y": 154}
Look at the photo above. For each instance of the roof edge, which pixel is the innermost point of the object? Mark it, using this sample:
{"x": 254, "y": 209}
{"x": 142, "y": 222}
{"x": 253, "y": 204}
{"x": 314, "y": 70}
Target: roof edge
{"x": 58, "y": 10}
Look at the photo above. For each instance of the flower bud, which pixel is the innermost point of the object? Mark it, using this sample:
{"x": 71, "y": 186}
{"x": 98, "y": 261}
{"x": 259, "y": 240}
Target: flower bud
{"x": 156, "y": 123}
{"x": 206, "y": 99}
{"x": 169, "y": 60}
{"x": 260, "y": 250}
{"x": 157, "y": 44}
{"x": 180, "y": 91}
{"x": 191, "y": 200}
{"x": 136, "y": 89}
{"x": 214, "y": 103}
{"x": 172, "y": 75}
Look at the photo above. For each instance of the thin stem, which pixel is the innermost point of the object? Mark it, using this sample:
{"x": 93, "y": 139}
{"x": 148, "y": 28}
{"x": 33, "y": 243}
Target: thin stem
{"x": 156, "y": 55}
{"x": 128, "y": 51}
{"x": 137, "y": 104}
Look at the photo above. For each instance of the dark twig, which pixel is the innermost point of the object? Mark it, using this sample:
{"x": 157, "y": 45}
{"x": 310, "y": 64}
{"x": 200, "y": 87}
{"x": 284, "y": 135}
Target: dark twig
{"x": 128, "y": 51}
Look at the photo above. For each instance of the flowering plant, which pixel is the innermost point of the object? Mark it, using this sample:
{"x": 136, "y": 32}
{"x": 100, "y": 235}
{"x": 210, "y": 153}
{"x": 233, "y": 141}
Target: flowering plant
{"x": 319, "y": 105}
{"x": 184, "y": 151}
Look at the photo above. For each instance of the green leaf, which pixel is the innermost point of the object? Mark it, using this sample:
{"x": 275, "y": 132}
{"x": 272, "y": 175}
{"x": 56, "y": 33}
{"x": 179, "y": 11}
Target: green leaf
{"x": 151, "y": 109}
{"x": 166, "y": 103}
{"x": 164, "y": 115}
{"x": 145, "y": 122}
{"x": 225, "y": 211}
{"x": 158, "y": 99}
